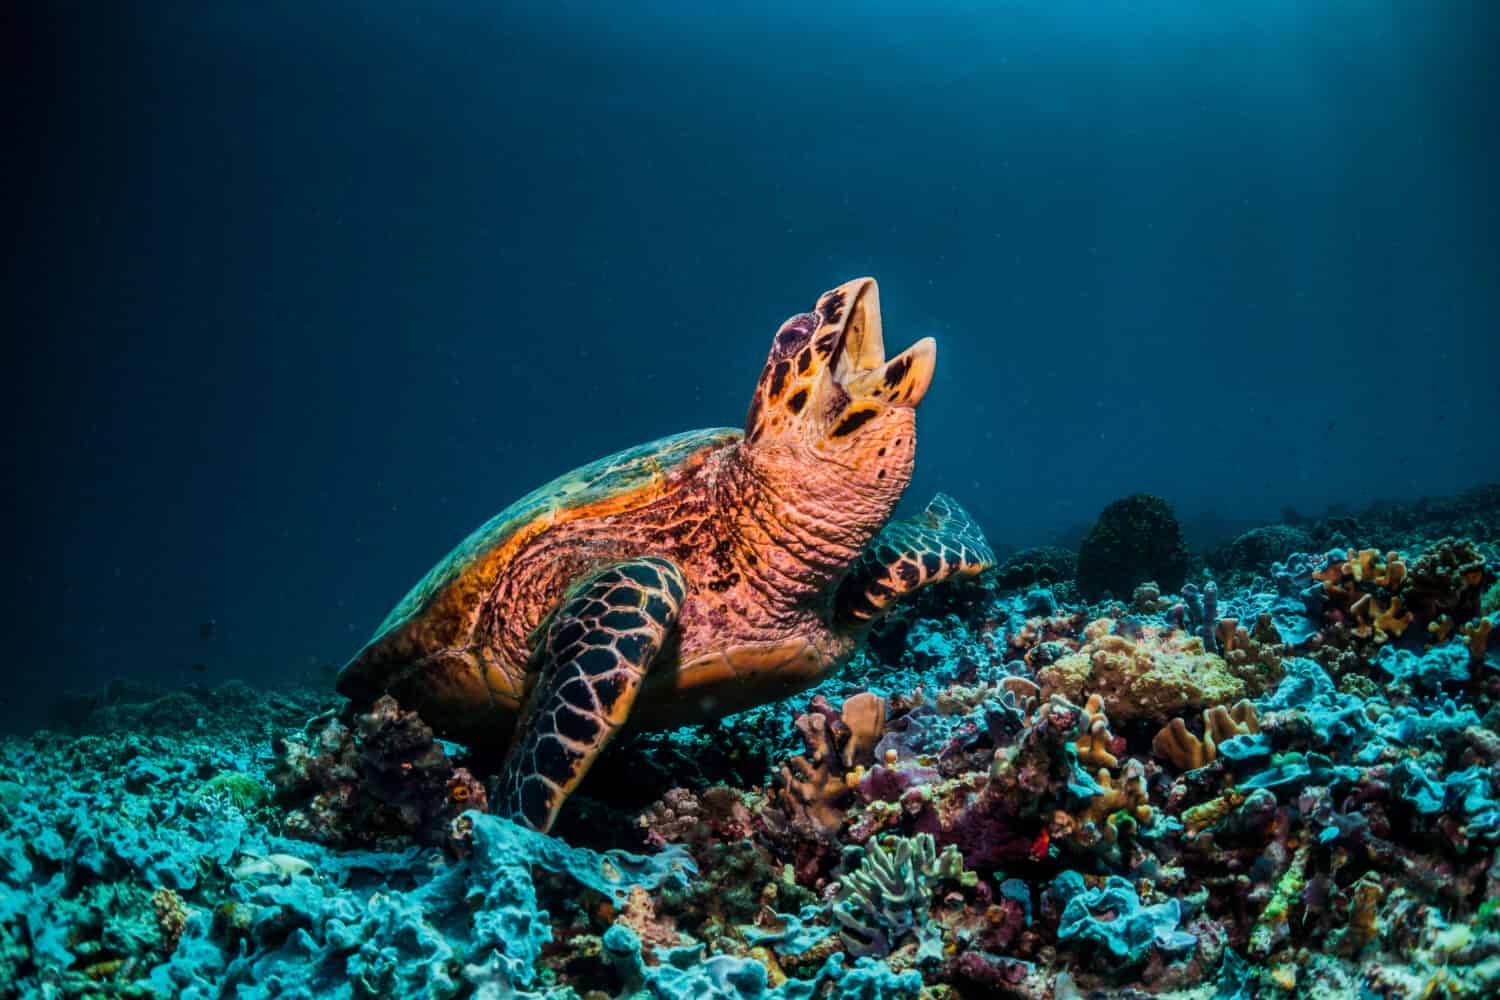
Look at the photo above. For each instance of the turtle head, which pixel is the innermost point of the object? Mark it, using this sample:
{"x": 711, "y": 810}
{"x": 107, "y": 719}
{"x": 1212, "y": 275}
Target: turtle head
{"x": 829, "y": 398}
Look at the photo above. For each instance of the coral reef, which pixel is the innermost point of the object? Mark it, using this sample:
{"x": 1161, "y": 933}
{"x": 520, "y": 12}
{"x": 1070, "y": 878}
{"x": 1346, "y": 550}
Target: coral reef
{"x": 1282, "y": 781}
{"x": 1039, "y": 565}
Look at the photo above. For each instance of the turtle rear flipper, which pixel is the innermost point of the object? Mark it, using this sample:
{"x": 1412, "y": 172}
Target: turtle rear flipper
{"x": 941, "y": 542}
{"x": 592, "y": 659}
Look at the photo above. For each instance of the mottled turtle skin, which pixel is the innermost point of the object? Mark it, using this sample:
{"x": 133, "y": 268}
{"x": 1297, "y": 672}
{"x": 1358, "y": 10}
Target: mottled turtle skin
{"x": 684, "y": 579}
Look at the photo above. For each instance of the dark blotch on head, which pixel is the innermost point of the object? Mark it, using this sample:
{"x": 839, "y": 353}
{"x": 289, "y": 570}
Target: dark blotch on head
{"x": 852, "y": 422}
{"x": 832, "y": 306}
{"x": 804, "y": 362}
{"x": 752, "y": 419}
{"x": 778, "y": 378}
{"x": 908, "y": 573}
{"x": 798, "y": 400}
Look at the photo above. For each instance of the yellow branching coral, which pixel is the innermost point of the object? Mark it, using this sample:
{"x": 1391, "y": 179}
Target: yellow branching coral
{"x": 1372, "y": 620}
{"x": 1477, "y": 635}
{"x": 1201, "y": 817}
{"x": 1221, "y": 723}
{"x": 1176, "y": 743}
{"x": 1274, "y": 924}
{"x": 1353, "y": 585}
{"x": 815, "y": 785}
{"x": 1122, "y": 803}
{"x": 1253, "y": 655}
{"x": 864, "y": 714}
{"x": 1362, "y": 567}
{"x": 1093, "y": 744}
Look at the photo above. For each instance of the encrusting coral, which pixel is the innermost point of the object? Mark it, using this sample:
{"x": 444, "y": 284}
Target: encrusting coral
{"x": 1152, "y": 676}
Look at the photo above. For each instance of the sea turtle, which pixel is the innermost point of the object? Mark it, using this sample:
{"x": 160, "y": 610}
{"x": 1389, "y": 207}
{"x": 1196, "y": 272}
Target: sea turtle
{"x": 684, "y": 579}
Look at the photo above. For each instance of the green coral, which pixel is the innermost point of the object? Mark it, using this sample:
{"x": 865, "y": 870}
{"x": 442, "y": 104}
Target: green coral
{"x": 1490, "y": 603}
{"x": 889, "y": 894}
{"x": 233, "y": 788}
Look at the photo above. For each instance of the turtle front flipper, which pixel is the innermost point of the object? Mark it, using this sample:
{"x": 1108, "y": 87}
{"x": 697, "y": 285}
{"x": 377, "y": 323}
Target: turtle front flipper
{"x": 941, "y": 542}
{"x": 592, "y": 657}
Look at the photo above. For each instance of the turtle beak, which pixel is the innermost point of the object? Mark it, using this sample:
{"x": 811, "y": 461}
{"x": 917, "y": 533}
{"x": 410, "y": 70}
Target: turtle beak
{"x": 901, "y": 381}
{"x": 862, "y": 337}
{"x": 861, "y": 367}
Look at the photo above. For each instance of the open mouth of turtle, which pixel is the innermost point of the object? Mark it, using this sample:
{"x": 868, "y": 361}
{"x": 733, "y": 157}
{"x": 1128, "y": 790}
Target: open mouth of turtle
{"x": 861, "y": 367}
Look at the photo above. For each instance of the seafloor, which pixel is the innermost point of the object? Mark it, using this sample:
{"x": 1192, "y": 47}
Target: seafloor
{"x": 1273, "y": 771}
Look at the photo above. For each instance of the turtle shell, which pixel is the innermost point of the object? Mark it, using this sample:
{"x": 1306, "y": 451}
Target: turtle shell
{"x": 437, "y": 614}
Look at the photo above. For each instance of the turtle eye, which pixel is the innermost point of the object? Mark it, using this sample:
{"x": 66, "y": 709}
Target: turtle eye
{"x": 793, "y": 336}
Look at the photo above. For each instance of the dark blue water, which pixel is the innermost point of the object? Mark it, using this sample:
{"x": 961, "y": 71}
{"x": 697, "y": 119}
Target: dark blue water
{"x": 300, "y": 293}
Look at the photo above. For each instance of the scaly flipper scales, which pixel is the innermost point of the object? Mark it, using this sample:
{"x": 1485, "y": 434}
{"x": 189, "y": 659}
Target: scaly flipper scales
{"x": 941, "y": 542}
{"x": 592, "y": 658}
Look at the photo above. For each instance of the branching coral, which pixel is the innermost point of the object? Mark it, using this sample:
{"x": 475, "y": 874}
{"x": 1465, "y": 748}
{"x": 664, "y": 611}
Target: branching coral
{"x": 864, "y": 714}
{"x": 815, "y": 786}
{"x": 1354, "y": 584}
{"x": 1124, "y": 800}
{"x": 1477, "y": 637}
{"x": 1176, "y": 743}
{"x": 1094, "y": 743}
{"x": 890, "y": 893}
{"x": 1447, "y": 578}
{"x": 1254, "y": 655}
